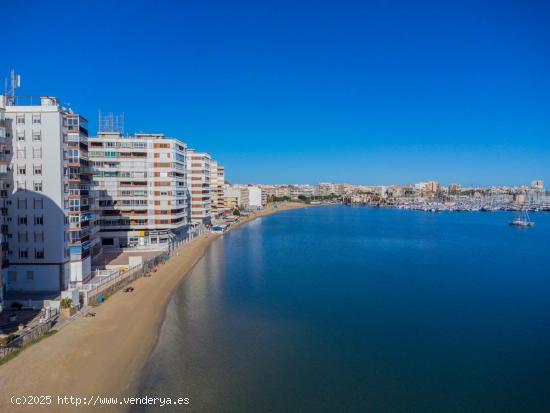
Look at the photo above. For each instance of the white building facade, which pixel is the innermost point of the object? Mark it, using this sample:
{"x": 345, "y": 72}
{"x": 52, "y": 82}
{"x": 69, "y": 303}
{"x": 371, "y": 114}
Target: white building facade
{"x": 46, "y": 178}
{"x": 3, "y": 199}
{"x": 141, "y": 185}
{"x": 256, "y": 197}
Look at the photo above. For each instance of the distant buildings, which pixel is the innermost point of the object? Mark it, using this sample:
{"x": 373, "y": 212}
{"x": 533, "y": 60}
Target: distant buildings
{"x": 324, "y": 189}
{"x": 282, "y": 191}
{"x": 538, "y": 185}
{"x": 454, "y": 189}
{"x": 232, "y": 197}
{"x": 432, "y": 187}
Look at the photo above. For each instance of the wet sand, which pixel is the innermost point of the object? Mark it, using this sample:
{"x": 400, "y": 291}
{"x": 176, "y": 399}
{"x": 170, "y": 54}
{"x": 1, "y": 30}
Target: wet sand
{"x": 104, "y": 355}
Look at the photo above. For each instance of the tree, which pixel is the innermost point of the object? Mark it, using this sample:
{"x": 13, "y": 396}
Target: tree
{"x": 66, "y": 303}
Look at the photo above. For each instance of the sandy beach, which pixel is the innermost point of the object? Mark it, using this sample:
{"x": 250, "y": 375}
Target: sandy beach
{"x": 104, "y": 355}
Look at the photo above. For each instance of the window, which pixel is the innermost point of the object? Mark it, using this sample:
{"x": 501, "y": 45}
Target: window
{"x": 36, "y": 118}
{"x": 21, "y": 170}
{"x": 23, "y": 254}
{"x": 21, "y": 153}
{"x": 38, "y": 186}
{"x": 30, "y": 275}
{"x": 39, "y": 254}
{"x": 38, "y": 204}
{"x": 20, "y": 119}
{"x": 21, "y": 135}
{"x": 36, "y": 136}
{"x": 39, "y": 237}
{"x": 37, "y": 153}
{"x": 21, "y": 204}
{"x": 22, "y": 220}
{"x": 75, "y": 236}
{"x": 74, "y": 205}
{"x": 12, "y": 276}
{"x": 39, "y": 220}
{"x": 37, "y": 170}
{"x": 22, "y": 237}
{"x": 72, "y": 155}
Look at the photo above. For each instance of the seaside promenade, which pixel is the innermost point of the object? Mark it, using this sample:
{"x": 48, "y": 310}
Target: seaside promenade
{"x": 104, "y": 355}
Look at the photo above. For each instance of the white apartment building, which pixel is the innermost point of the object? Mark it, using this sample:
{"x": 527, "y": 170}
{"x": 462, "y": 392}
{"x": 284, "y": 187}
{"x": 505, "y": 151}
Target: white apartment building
{"x": 3, "y": 181}
{"x": 198, "y": 181}
{"x": 256, "y": 197}
{"x": 45, "y": 147}
{"x": 141, "y": 184}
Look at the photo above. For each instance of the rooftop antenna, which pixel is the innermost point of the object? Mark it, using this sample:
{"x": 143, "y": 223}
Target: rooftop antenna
{"x": 15, "y": 84}
{"x": 111, "y": 123}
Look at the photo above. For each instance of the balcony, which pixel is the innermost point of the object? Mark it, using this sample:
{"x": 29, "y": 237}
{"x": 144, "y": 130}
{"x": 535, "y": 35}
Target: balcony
{"x": 80, "y": 129}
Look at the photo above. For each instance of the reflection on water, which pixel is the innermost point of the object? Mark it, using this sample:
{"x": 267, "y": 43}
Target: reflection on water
{"x": 354, "y": 309}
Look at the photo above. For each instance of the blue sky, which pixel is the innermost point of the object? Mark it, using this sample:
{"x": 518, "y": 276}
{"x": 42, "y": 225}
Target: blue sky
{"x": 379, "y": 92}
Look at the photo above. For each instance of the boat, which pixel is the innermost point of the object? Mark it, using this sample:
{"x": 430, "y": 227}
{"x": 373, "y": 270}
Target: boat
{"x": 522, "y": 220}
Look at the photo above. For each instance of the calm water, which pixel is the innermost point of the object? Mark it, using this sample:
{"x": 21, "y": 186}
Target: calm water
{"x": 355, "y": 309}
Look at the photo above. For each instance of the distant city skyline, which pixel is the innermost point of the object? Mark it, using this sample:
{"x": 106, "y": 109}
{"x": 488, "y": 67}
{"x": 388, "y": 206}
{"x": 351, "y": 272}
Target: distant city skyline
{"x": 363, "y": 93}
{"x": 443, "y": 184}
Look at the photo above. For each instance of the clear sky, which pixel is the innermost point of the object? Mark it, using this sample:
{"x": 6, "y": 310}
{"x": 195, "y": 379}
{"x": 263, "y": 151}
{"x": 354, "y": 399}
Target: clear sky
{"x": 373, "y": 92}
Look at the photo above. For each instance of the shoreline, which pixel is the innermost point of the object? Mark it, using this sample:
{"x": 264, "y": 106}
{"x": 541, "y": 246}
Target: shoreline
{"x": 105, "y": 355}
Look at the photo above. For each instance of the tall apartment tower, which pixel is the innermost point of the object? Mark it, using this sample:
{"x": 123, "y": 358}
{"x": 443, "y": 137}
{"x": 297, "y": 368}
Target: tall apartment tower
{"x": 213, "y": 189}
{"x": 220, "y": 183}
{"x": 3, "y": 189}
{"x": 217, "y": 180}
{"x": 198, "y": 181}
{"x": 47, "y": 185}
{"x": 84, "y": 242}
{"x": 141, "y": 185}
